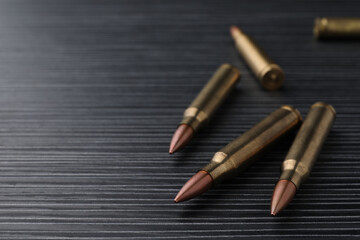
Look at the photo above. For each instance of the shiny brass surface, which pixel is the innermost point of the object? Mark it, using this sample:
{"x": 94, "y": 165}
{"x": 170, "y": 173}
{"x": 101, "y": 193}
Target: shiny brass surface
{"x": 244, "y": 150}
{"x": 308, "y": 143}
{"x": 326, "y": 28}
{"x": 270, "y": 75}
{"x": 211, "y": 97}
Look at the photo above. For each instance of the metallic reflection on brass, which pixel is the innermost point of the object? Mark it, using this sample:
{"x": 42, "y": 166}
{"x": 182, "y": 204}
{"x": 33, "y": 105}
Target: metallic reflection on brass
{"x": 337, "y": 28}
{"x": 200, "y": 116}
{"x": 219, "y": 157}
{"x": 270, "y": 75}
{"x": 205, "y": 104}
{"x": 211, "y": 97}
{"x": 245, "y": 149}
{"x": 308, "y": 143}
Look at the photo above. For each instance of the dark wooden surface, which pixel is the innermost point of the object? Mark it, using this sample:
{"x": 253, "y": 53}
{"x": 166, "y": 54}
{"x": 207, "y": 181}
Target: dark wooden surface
{"x": 91, "y": 92}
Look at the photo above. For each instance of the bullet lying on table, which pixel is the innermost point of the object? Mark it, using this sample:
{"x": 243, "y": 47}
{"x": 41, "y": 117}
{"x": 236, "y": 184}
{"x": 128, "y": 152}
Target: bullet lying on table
{"x": 241, "y": 152}
{"x": 270, "y": 75}
{"x": 205, "y": 104}
{"x": 302, "y": 154}
{"x": 337, "y": 28}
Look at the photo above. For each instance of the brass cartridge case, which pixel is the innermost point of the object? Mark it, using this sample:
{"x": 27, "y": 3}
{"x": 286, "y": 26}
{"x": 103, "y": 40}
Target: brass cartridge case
{"x": 346, "y": 28}
{"x": 211, "y": 97}
{"x": 270, "y": 75}
{"x": 244, "y": 150}
{"x": 308, "y": 143}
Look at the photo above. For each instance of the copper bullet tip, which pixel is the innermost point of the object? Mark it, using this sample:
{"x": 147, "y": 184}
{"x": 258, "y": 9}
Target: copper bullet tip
{"x": 234, "y": 30}
{"x": 198, "y": 184}
{"x": 283, "y": 194}
{"x": 181, "y": 137}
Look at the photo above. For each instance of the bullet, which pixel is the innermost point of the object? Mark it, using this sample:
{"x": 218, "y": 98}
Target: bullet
{"x": 205, "y": 104}
{"x": 302, "y": 154}
{"x": 241, "y": 152}
{"x": 270, "y": 75}
{"x": 337, "y": 28}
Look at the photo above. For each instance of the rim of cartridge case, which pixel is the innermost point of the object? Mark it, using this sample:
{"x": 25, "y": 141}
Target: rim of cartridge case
{"x": 320, "y": 24}
{"x": 228, "y": 65}
{"x": 324, "y": 104}
{"x": 280, "y": 75}
{"x": 292, "y": 109}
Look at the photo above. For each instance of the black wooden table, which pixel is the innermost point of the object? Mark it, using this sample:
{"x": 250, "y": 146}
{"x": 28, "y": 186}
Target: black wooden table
{"x": 91, "y": 92}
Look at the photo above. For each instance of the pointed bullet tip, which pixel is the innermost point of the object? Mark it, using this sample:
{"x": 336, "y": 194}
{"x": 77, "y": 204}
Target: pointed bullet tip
{"x": 178, "y": 198}
{"x": 181, "y": 137}
{"x": 284, "y": 192}
{"x": 197, "y": 184}
{"x": 234, "y": 30}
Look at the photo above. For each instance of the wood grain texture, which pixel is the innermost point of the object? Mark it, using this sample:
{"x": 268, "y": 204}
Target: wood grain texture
{"x": 91, "y": 92}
